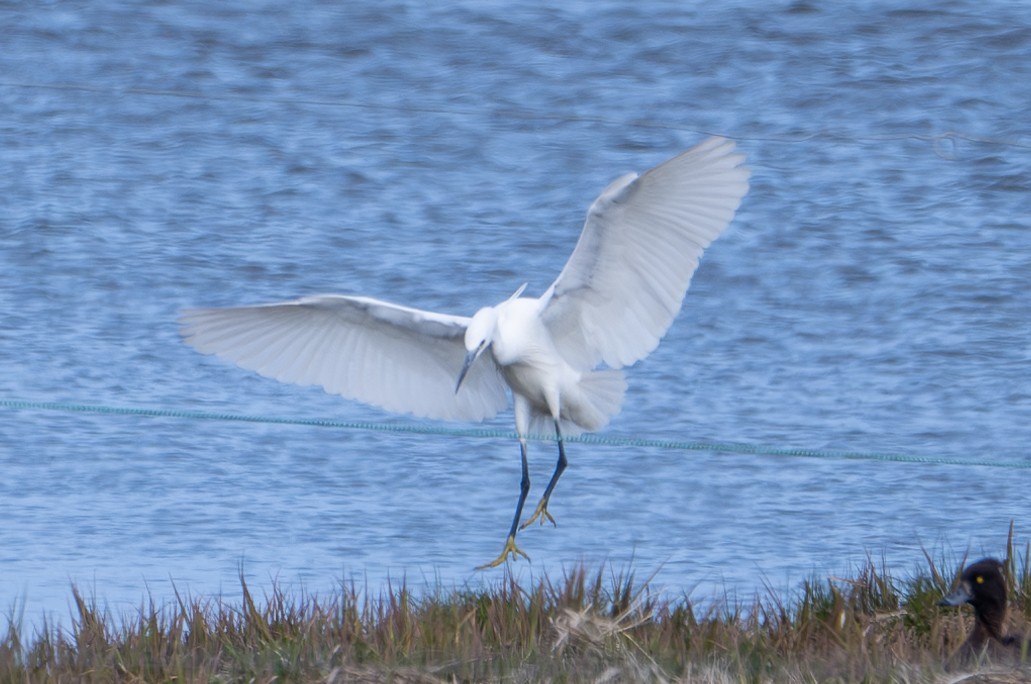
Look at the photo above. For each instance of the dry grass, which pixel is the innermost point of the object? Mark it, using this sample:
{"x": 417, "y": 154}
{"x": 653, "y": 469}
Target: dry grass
{"x": 584, "y": 627}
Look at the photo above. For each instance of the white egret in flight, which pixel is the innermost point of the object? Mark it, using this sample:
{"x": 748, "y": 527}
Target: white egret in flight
{"x": 559, "y": 354}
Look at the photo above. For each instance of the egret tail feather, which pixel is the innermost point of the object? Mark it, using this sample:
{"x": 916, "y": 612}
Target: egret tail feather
{"x": 604, "y": 391}
{"x": 600, "y": 397}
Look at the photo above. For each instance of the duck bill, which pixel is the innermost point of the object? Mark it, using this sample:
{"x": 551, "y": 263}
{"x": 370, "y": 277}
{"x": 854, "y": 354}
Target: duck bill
{"x": 469, "y": 358}
{"x": 958, "y": 597}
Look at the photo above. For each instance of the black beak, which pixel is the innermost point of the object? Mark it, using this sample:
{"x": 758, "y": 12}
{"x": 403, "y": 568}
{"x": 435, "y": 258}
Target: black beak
{"x": 958, "y": 597}
{"x": 469, "y": 358}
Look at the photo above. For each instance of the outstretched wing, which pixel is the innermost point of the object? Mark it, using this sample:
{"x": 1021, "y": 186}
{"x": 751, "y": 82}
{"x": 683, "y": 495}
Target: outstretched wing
{"x": 625, "y": 281}
{"x": 401, "y": 359}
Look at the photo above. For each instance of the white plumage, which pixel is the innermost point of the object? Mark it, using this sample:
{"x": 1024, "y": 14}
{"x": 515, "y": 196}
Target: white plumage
{"x": 402, "y": 359}
{"x": 611, "y": 304}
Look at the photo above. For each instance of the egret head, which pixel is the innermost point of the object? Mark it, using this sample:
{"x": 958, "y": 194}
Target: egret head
{"x": 478, "y": 337}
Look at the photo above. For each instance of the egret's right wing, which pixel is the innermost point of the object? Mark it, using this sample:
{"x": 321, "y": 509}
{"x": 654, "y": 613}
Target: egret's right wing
{"x": 640, "y": 245}
{"x": 402, "y": 359}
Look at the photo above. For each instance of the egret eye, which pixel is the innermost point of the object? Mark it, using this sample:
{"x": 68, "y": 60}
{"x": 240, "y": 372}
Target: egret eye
{"x": 979, "y": 579}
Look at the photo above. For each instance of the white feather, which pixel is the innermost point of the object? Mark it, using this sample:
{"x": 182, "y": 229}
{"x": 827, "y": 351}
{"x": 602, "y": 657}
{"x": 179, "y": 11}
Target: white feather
{"x": 402, "y": 359}
{"x": 611, "y": 304}
{"x": 627, "y": 277}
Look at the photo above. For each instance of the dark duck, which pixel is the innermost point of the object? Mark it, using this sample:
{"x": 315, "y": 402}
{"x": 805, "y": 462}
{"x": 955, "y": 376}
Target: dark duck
{"x": 983, "y": 586}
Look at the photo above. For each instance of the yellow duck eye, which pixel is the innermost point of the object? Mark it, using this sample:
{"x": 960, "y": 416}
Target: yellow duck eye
{"x": 979, "y": 579}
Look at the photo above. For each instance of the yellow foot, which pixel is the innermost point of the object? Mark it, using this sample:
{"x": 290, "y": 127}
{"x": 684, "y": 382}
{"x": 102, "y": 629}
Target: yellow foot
{"x": 510, "y": 548}
{"x": 541, "y": 512}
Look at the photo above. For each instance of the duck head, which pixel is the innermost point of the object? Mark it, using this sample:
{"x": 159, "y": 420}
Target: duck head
{"x": 983, "y": 586}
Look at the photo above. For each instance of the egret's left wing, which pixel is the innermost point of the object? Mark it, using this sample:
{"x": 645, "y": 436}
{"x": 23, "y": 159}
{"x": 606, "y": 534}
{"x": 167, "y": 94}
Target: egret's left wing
{"x": 640, "y": 245}
{"x": 403, "y": 359}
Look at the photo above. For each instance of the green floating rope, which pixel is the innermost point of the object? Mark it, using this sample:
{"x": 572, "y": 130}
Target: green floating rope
{"x": 719, "y": 447}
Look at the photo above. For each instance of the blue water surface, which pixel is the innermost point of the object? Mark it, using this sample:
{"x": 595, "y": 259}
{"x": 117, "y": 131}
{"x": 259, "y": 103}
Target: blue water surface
{"x": 871, "y": 296}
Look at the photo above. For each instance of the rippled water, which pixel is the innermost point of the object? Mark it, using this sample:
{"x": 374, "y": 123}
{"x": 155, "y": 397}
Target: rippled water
{"x": 872, "y": 294}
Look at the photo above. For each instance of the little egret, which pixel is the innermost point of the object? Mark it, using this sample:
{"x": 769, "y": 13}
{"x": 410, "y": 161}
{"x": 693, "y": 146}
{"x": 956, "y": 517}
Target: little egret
{"x": 559, "y": 354}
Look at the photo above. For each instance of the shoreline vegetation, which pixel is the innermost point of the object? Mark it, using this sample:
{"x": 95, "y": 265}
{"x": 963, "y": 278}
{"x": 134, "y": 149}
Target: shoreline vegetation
{"x": 585, "y": 626}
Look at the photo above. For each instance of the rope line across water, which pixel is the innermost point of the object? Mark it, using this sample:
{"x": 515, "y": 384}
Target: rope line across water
{"x": 600, "y": 440}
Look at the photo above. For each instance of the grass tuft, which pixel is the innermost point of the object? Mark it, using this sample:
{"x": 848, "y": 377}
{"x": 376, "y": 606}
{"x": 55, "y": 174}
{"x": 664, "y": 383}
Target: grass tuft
{"x": 585, "y": 626}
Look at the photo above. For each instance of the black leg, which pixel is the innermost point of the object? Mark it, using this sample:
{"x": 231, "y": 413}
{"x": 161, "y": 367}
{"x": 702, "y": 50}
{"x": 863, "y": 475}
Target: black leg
{"x": 524, "y": 489}
{"x": 542, "y": 507}
{"x": 560, "y": 467}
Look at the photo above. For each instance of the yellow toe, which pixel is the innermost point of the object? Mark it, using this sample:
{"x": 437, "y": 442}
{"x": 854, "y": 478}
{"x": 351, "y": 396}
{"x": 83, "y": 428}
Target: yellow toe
{"x": 510, "y": 549}
{"x": 540, "y": 512}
